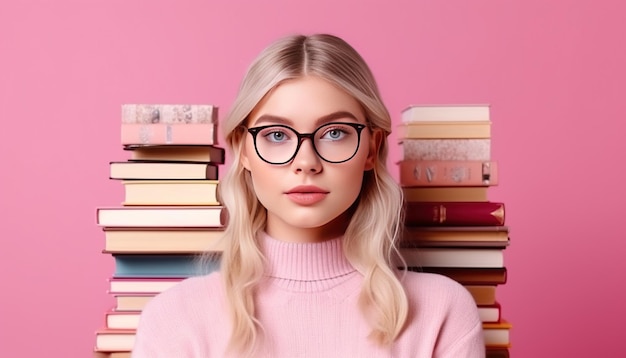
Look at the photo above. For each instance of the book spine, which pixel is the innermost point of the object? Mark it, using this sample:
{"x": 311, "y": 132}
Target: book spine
{"x": 169, "y": 113}
{"x": 449, "y": 112}
{"x": 168, "y": 134}
{"x": 448, "y": 173}
{"x": 454, "y": 214}
{"x": 446, "y": 149}
{"x": 444, "y": 130}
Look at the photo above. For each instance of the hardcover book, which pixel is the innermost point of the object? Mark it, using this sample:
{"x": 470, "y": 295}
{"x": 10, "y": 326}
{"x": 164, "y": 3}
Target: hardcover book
{"x": 445, "y": 112}
{"x": 162, "y": 216}
{"x": 113, "y": 354}
{"x": 444, "y": 130}
{"x": 164, "y": 240}
{"x": 177, "y": 153}
{"x": 149, "y": 170}
{"x": 445, "y": 193}
{"x": 455, "y": 236}
{"x": 448, "y": 173}
{"x": 490, "y": 313}
{"x": 169, "y": 113}
{"x": 170, "y": 192}
{"x": 122, "y": 319}
{"x": 154, "y": 265}
{"x": 144, "y": 285}
{"x": 453, "y": 257}
{"x": 497, "y": 334}
{"x": 168, "y": 134}
{"x": 131, "y": 302}
{"x": 446, "y": 149}
{"x": 497, "y": 352}
{"x": 469, "y": 275}
{"x": 468, "y": 213}
{"x": 115, "y": 340}
{"x": 482, "y": 294}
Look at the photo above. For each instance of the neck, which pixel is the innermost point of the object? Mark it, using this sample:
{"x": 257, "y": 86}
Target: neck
{"x": 280, "y": 230}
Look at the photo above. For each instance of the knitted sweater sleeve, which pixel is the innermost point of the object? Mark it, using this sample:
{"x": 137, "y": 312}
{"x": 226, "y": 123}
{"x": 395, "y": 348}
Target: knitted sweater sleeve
{"x": 462, "y": 334}
{"x": 168, "y": 324}
{"x": 158, "y": 333}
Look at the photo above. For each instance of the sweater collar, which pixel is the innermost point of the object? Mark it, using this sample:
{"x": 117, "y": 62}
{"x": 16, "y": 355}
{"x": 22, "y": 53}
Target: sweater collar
{"x": 305, "y": 266}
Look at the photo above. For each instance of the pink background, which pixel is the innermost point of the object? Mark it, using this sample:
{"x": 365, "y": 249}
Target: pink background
{"x": 553, "y": 72}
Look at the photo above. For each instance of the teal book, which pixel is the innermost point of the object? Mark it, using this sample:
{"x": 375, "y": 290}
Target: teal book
{"x": 153, "y": 265}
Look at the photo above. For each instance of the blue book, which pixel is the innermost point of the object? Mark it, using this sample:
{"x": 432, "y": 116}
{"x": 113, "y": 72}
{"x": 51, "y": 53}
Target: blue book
{"x": 153, "y": 265}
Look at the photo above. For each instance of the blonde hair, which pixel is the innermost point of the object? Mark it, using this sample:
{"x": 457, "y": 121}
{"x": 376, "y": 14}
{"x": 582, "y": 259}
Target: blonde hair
{"x": 369, "y": 240}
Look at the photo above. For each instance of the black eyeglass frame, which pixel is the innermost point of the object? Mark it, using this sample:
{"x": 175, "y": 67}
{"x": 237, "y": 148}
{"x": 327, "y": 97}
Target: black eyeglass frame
{"x": 301, "y": 136}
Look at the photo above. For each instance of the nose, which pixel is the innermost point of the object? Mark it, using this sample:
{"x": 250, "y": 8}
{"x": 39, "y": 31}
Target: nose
{"x": 306, "y": 159}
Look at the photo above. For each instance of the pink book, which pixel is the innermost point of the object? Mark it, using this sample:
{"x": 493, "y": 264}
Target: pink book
{"x": 169, "y": 113}
{"x": 448, "y": 173}
{"x": 169, "y": 134}
{"x": 141, "y": 285}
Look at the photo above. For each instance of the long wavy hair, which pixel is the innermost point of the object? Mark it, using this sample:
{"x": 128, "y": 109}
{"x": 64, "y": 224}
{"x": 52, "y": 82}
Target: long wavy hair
{"x": 369, "y": 242}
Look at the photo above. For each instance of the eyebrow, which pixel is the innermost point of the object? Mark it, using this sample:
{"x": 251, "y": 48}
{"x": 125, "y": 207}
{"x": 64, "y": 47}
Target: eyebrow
{"x": 268, "y": 118}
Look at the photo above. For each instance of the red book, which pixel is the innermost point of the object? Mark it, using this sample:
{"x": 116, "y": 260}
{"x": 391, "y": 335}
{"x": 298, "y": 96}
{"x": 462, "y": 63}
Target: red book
{"x": 448, "y": 173}
{"x": 468, "y": 213}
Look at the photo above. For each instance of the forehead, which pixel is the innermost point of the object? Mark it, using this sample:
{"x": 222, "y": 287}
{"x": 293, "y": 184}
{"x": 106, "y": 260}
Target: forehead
{"x": 304, "y": 101}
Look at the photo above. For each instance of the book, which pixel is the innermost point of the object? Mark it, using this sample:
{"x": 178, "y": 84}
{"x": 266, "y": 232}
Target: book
{"x": 162, "y": 240}
{"x": 177, "y": 153}
{"x": 448, "y": 173}
{"x": 169, "y": 113}
{"x": 469, "y": 275}
{"x": 445, "y": 112}
{"x": 161, "y": 216}
{"x": 132, "y": 302}
{"x": 455, "y": 236}
{"x": 115, "y": 340}
{"x": 444, "y": 130}
{"x": 170, "y": 192}
{"x": 163, "y": 134}
{"x": 449, "y": 194}
{"x": 446, "y": 149}
{"x": 122, "y": 319}
{"x": 111, "y": 354}
{"x": 151, "y": 285}
{"x": 467, "y": 213}
{"x": 497, "y": 352}
{"x": 490, "y": 313}
{"x": 497, "y": 334}
{"x": 452, "y": 257}
{"x": 482, "y": 294}
{"x": 150, "y": 170}
{"x": 155, "y": 265}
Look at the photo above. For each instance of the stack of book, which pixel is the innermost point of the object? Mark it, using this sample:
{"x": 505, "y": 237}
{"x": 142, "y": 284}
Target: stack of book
{"x": 171, "y": 211}
{"x": 451, "y": 226}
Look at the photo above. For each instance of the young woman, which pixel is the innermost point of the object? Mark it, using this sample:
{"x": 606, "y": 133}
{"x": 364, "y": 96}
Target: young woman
{"x": 310, "y": 264}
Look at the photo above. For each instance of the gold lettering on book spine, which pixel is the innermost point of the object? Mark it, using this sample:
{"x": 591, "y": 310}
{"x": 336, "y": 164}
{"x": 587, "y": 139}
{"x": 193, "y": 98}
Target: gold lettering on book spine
{"x": 499, "y": 214}
{"x": 439, "y": 214}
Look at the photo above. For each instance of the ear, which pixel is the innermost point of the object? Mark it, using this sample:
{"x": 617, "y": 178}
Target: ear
{"x": 243, "y": 156}
{"x": 376, "y": 139}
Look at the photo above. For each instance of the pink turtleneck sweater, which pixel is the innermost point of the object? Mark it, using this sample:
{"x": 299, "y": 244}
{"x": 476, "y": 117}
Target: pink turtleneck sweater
{"x": 308, "y": 307}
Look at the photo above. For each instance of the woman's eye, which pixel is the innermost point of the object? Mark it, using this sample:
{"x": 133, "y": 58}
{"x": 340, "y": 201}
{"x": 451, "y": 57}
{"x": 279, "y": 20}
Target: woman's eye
{"x": 276, "y": 136}
{"x": 334, "y": 134}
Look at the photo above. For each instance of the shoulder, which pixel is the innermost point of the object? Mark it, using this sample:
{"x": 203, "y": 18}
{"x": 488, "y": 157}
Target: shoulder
{"x": 444, "y": 311}
{"x": 185, "y": 298}
{"x": 437, "y": 291}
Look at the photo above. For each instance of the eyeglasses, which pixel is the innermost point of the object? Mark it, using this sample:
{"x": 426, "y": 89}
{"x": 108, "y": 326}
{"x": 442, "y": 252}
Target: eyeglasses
{"x": 335, "y": 142}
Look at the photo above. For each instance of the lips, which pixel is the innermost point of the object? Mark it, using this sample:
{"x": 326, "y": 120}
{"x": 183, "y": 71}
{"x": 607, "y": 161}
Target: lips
{"x": 306, "y": 194}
